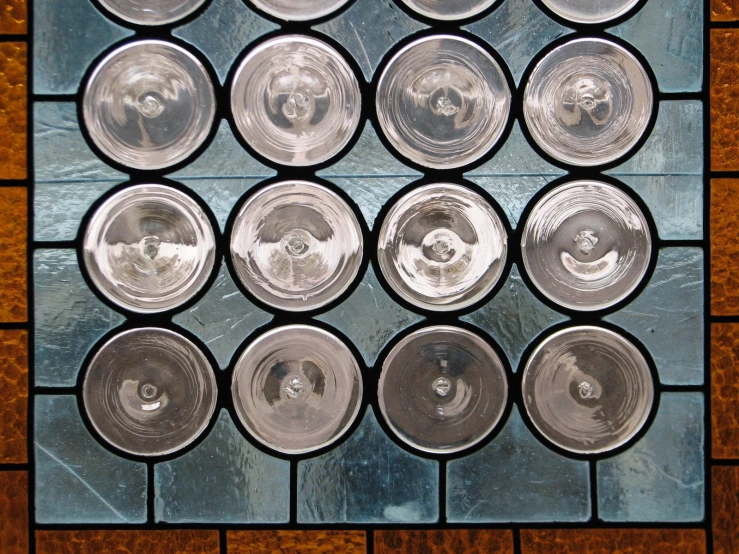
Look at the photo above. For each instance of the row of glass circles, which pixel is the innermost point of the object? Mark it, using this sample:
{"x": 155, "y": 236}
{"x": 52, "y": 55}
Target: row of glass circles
{"x": 163, "y": 12}
{"x": 297, "y": 246}
{"x": 298, "y": 388}
{"x": 442, "y": 102}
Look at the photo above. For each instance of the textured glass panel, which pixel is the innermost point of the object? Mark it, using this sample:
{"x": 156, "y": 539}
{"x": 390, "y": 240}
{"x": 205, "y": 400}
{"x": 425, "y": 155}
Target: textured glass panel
{"x": 517, "y": 29}
{"x": 668, "y": 316}
{"x": 661, "y": 477}
{"x": 675, "y": 202}
{"x": 369, "y": 317}
{"x": 223, "y": 31}
{"x": 514, "y": 317}
{"x": 369, "y": 174}
{"x": 77, "y": 480}
{"x": 69, "y": 177}
{"x": 69, "y": 319}
{"x": 223, "y": 318}
{"x": 368, "y": 479}
{"x": 669, "y": 33}
{"x": 675, "y": 146}
{"x": 368, "y": 29}
{"x": 68, "y": 35}
{"x": 243, "y": 484}
{"x": 516, "y": 478}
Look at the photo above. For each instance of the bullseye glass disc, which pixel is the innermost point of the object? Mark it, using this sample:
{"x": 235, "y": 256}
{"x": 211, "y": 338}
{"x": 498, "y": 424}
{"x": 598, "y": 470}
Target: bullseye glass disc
{"x": 149, "y": 248}
{"x": 297, "y": 389}
{"x": 586, "y": 245}
{"x": 296, "y": 245}
{"x": 295, "y": 100}
{"x": 443, "y": 102}
{"x": 299, "y": 10}
{"x": 442, "y": 389}
{"x": 591, "y": 11}
{"x": 149, "y": 392}
{"x": 588, "y": 102}
{"x": 151, "y": 12}
{"x": 587, "y": 389}
{"x": 149, "y": 104}
{"x": 442, "y": 247}
{"x": 449, "y": 11}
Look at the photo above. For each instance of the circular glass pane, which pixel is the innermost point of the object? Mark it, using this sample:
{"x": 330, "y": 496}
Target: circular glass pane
{"x": 592, "y": 11}
{"x": 149, "y": 392}
{"x": 448, "y": 11}
{"x": 443, "y": 101}
{"x": 297, "y": 389}
{"x": 149, "y": 104}
{"x": 296, "y": 245}
{"x": 588, "y": 102}
{"x": 587, "y": 389}
{"x": 442, "y": 389}
{"x": 295, "y": 100}
{"x": 442, "y": 247}
{"x": 149, "y": 248}
{"x": 299, "y": 10}
{"x": 586, "y": 245}
{"x": 151, "y": 12}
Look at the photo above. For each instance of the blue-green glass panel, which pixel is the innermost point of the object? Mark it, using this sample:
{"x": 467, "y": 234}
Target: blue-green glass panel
{"x": 368, "y": 479}
{"x": 69, "y": 318}
{"x": 223, "y": 480}
{"x": 661, "y": 477}
{"x": 77, "y": 480}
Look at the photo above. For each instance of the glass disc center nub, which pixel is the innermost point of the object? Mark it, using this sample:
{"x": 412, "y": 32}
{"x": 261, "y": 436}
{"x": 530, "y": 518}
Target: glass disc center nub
{"x": 294, "y": 387}
{"x": 589, "y": 96}
{"x": 445, "y": 106}
{"x": 298, "y": 106}
{"x": 297, "y": 242}
{"x": 150, "y": 105}
{"x": 585, "y": 389}
{"x": 441, "y": 245}
{"x": 150, "y": 246}
{"x": 586, "y": 241}
{"x": 148, "y": 391}
{"x": 442, "y": 386}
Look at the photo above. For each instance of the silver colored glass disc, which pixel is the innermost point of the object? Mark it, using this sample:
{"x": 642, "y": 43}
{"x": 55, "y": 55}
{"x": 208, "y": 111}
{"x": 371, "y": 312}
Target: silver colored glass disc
{"x": 586, "y": 245}
{"x": 296, "y": 245}
{"x": 297, "y": 389}
{"x": 587, "y": 389}
{"x": 442, "y": 247}
{"x": 443, "y": 101}
{"x": 151, "y": 12}
{"x": 588, "y": 102}
{"x": 448, "y": 11}
{"x": 149, "y": 104}
{"x": 149, "y": 392}
{"x": 295, "y": 100}
{"x": 591, "y": 11}
{"x": 299, "y": 10}
{"x": 149, "y": 248}
{"x": 442, "y": 389}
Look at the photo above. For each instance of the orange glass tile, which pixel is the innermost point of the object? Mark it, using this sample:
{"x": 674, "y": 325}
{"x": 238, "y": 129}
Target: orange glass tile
{"x": 297, "y": 542}
{"x": 13, "y": 17}
{"x": 181, "y": 541}
{"x": 724, "y": 246}
{"x": 14, "y": 512}
{"x": 13, "y": 233}
{"x": 724, "y": 99}
{"x": 14, "y": 392}
{"x": 725, "y": 390}
{"x": 613, "y": 541}
{"x": 724, "y": 10}
{"x": 725, "y": 500}
{"x": 13, "y": 105}
{"x": 452, "y": 541}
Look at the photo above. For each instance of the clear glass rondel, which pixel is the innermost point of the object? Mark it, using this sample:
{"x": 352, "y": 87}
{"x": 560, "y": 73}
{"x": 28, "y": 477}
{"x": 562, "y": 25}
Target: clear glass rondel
{"x": 297, "y": 388}
{"x": 587, "y": 389}
{"x": 442, "y": 389}
{"x": 149, "y": 104}
{"x": 149, "y": 391}
{"x": 149, "y": 248}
